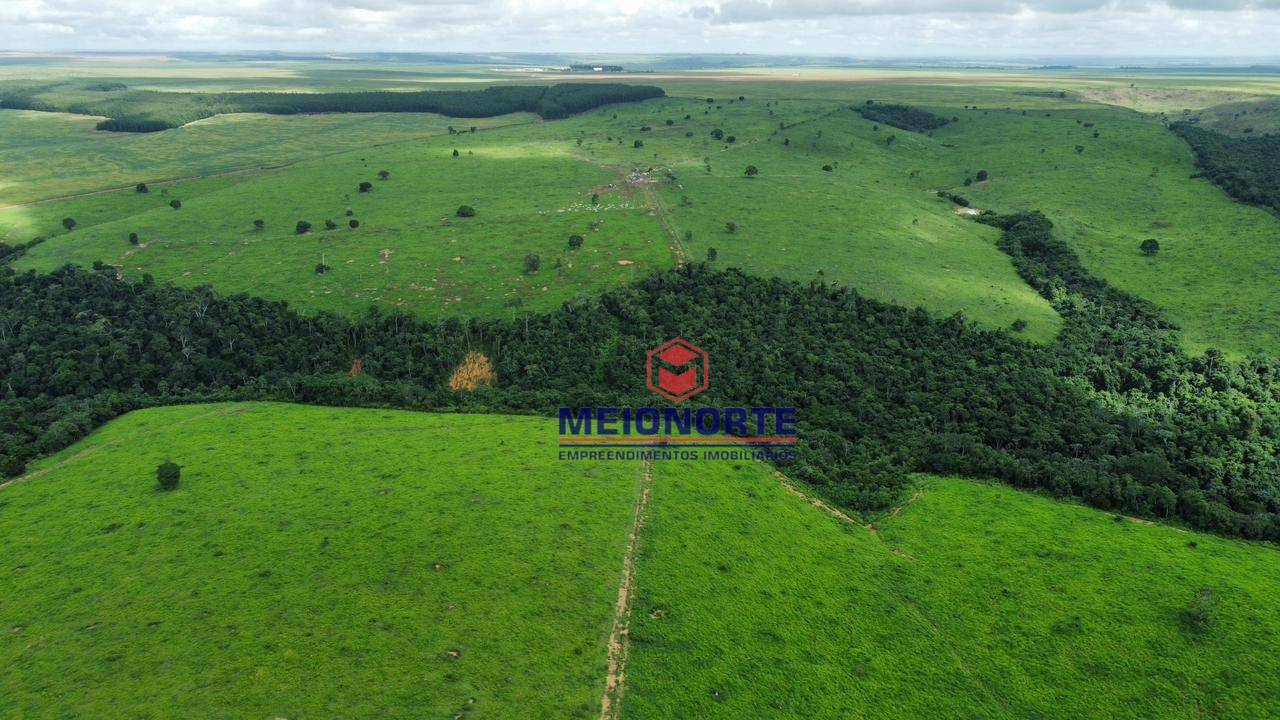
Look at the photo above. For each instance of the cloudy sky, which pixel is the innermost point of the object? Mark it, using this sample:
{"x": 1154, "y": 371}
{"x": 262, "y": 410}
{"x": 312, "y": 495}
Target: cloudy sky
{"x": 860, "y": 28}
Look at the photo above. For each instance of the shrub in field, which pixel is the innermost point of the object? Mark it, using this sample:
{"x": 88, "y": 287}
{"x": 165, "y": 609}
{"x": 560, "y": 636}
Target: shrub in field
{"x": 1150, "y": 246}
{"x": 466, "y": 211}
{"x": 365, "y": 186}
{"x": 167, "y": 475}
{"x": 142, "y": 188}
{"x": 175, "y": 204}
{"x": 259, "y": 224}
{"x": 575, "y": 242}
{"x": 302, "y": 228}
{"x": 69, "y": 223}
{"x": 532, "y": 263}
{"x": 133, "y": 238}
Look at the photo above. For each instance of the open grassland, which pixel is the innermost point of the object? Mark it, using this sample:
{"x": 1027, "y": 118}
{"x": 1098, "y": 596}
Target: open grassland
{"x": 975, "y": 601}
{"x": 312, "y": 563}
{"x": 410, "y": 251}
{"x": 49, "y": 155}
{"x": 532, "y": 187}
{"x": 872, "y": 222}
{"x": 360, "y": 563}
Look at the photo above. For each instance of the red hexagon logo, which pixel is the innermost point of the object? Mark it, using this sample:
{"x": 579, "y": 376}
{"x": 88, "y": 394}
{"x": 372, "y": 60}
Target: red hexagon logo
{"x": 677, "y": 370}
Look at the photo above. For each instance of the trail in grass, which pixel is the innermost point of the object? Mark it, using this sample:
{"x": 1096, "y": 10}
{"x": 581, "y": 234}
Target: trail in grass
{"x": 611, "y": 701}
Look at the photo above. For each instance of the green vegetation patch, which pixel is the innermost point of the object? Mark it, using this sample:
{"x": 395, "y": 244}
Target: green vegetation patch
{"x": 311, "y": 562}
{"x": 972, "y": 601}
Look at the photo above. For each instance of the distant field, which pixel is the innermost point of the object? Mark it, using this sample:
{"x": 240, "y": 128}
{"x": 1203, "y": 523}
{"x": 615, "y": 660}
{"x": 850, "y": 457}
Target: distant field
{"x": 872, "y": 222}
{"x": 48, "y": 155}
{"x": 976, "y": 601}
{"x": 312, "y": 563}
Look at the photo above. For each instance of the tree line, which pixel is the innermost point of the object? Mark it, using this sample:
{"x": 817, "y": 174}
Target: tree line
{"x": 1247, "y": 168}
{"x": 551, "y": 102}
{"x": 1113, "y": 412}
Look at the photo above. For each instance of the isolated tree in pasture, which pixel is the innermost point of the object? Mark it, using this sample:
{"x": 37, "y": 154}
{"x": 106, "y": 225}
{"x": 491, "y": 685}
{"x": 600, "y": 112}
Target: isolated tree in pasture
{"x": 740, "y": 97}
{"x": 1150, "y": 246}
{"x": 1079, "y": 149}
{"x": 717, "y": 134}
{"x": 670, "y": 122}
{"x": 786, "y": 141}
{"x": 968, "y": 181}
{"x": 322, "y": 268}
{"x": 711, "y": 254}
{"x": 731, "y": 227}
{"x": 302, "y": 228}
{"x": 595, "y": 198}
{"x": 637, "y": 144}
{"x": 575, "y": 242}
{"x": 384, "y": 174}
{"x": 1019, "y": 325}
{"x": 175, "y": 204}
{"x": 982, "y": 176}
{"x": 353, "y": 224}
{"x": 167, "y": 475}
{"x": 69, "y": 223}
{"x": 827, "y": 168}
{"x": 330, "y": 225}
{"x": 688, "y": 236}
{"x": 731, "y": 138}
{"x": 466, "y": 211}
{"x": 259, "y": 224}
{"x": 366, "y": 186}
{"x": 532, "y": 262}
{"x": 455, "y": 152}
{"x": 751, "y": 171}
{"x": 142, "y": 188}
{"x": 133, "y": 238}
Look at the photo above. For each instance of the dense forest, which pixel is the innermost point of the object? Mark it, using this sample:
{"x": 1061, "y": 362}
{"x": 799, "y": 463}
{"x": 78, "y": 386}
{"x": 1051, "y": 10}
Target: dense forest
{"x": 1114, "y": 412}
{"x": 903, "y": 117}
{"x": 155, "y": 111}
{"x": 1248, "y": 168}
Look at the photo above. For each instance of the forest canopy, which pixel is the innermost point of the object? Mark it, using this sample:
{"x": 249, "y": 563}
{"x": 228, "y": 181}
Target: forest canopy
{"x": 153, "y": 111}
{"x": 1248, "y": 168}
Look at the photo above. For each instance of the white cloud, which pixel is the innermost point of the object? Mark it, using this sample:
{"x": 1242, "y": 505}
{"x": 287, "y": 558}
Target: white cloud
{"x": 972, "y": 28}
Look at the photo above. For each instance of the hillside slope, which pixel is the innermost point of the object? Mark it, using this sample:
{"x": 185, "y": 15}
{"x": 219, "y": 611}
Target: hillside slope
{"x": 312, "y": 563}
{"x": 974, "y": 601}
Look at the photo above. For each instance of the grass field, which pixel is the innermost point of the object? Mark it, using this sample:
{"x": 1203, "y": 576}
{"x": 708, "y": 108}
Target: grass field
{"x": 312, "y": 563}
{"x": 872, "y": 222}
{"x": 321, "y": 562}
{"x": 975, "y": 601}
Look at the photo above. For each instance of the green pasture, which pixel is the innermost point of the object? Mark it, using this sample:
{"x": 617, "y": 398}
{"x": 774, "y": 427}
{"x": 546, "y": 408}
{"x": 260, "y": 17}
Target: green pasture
{"x": 312, "y": 563}
{"x": 973, "y": 601}
{"x": 873, "y": 222}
